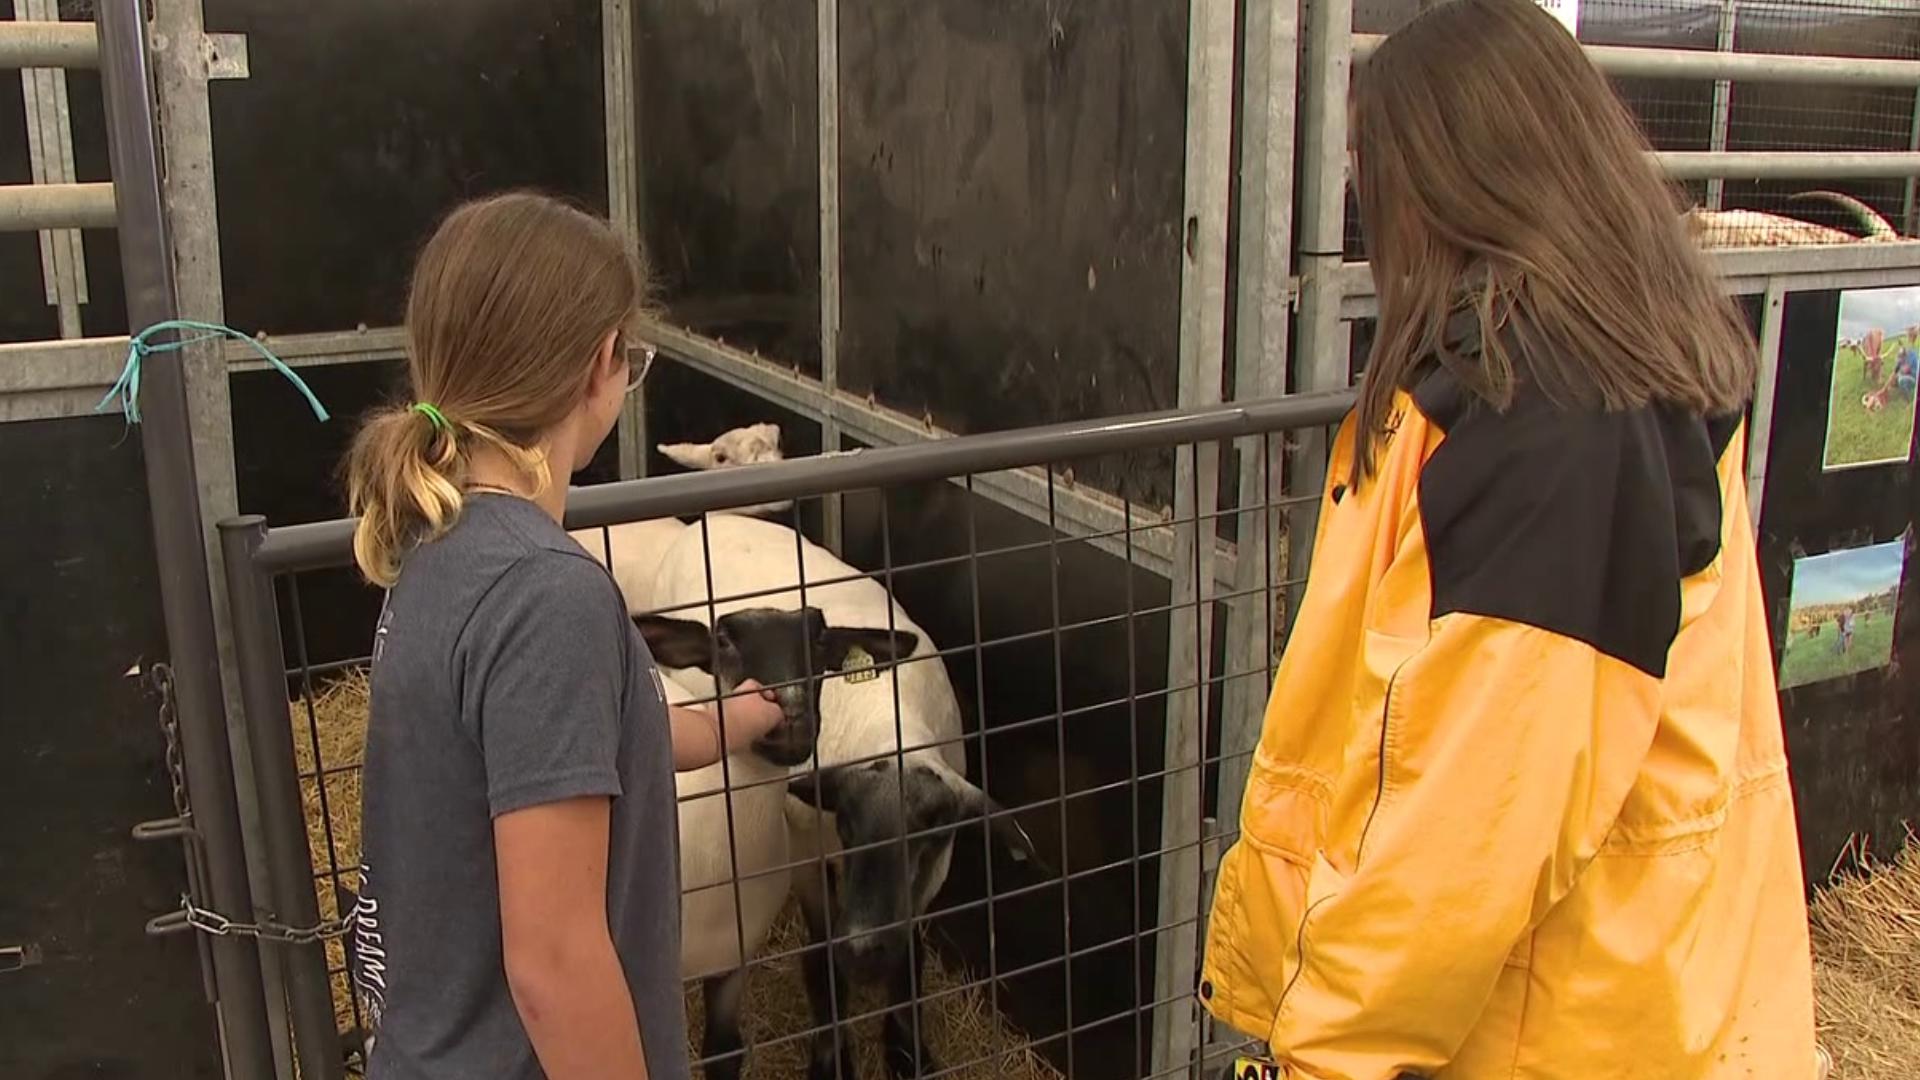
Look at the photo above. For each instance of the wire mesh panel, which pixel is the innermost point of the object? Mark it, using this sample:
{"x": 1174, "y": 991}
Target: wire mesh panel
{"x": 1007, "y": 743}
{"x": 1758, "y": 114}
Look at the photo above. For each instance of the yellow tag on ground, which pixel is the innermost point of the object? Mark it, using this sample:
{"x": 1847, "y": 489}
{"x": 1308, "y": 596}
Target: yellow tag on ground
{"x": 1248, "y": 1068}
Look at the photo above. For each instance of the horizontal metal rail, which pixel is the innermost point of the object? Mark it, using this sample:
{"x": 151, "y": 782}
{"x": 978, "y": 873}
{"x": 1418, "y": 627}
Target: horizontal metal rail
{"x": 95, "y": 362}
{"x": 321, "y": 349}
{"x": 1789, "y": 164}
{"x": 33, "y": 207}
{"x": 49, "y": 45}
{"x": 1741, "y": 270}
{"x": 318, "y": 545}
{"x": 1088, "y": 510}
{"x": 28, "y": 367}
{"x": 1641, "y": 62}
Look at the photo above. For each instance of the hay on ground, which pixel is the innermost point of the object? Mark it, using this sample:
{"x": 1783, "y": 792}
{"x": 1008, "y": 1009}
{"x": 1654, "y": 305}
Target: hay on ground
{"x": 963, "y": 1028}
{"x": 1866, "y": 938}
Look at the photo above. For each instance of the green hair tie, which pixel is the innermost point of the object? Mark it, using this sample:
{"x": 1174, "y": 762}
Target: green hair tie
{"x": 432, "y": 413}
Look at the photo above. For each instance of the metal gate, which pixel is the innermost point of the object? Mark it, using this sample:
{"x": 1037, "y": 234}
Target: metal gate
{"x": 187, "y": 685}
{"x": 1083, "y": 963}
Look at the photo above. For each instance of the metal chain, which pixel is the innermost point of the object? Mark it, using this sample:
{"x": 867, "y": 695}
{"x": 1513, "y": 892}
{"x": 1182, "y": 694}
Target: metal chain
{"x": 218, "y": 925}
{"x": 161, "y": 677}
{"x": 212, "y": 922}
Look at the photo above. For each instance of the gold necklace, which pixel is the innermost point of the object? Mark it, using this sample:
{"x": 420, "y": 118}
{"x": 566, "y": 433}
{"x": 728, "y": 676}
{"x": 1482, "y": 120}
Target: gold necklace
{"x": 495, "y": 489}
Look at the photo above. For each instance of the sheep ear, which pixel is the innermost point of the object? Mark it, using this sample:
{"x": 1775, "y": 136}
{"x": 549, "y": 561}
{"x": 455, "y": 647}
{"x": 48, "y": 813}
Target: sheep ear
{"x": 689, "y": 455}
{"x": 676, "y": 643}
{"x": 884, "y": 646}
{"x": 975, "y": 803}
{"x": 819, "y": 789}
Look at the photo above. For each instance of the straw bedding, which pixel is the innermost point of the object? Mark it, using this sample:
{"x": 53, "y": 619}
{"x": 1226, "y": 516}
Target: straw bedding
{"x": 963, "y": 1028}
{"x": 1866, "y": 936}
{"x": 1865, "y": 924}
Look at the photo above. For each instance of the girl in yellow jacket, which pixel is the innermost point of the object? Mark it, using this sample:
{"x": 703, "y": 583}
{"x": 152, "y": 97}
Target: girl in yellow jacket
{"x": 1521, "y": 806}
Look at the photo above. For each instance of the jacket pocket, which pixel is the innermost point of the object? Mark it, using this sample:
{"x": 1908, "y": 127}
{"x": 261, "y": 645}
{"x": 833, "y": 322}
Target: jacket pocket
{"x": 1285, "y": 811}
{"x": 1321, "y": 883}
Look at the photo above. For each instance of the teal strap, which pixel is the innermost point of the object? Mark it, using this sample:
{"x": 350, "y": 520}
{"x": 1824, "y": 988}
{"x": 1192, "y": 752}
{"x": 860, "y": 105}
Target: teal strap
{"x": 127, "y": 389}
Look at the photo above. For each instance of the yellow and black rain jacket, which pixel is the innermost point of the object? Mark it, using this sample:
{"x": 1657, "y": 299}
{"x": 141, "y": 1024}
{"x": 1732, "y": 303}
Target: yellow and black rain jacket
{"x": 1520, "y": 806}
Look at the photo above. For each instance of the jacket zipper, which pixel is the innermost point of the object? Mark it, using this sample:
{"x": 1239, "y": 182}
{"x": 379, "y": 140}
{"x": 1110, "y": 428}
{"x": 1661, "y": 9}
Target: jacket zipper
{"x": 1380, "y": 784}
{"x": 1379, "y": 795}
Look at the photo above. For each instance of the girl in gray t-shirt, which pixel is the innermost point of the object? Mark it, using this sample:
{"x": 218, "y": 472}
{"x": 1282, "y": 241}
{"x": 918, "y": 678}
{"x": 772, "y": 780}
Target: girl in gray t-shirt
{"x": 519, "y": 898}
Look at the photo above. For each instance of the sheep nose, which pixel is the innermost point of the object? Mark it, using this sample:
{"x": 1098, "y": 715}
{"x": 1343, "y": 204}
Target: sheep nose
{"x": 869, "y": 953}
{"x": 793, "y": 700}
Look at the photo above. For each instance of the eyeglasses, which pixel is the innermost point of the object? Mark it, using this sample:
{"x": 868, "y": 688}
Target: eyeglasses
{"x": 647, "y": 353}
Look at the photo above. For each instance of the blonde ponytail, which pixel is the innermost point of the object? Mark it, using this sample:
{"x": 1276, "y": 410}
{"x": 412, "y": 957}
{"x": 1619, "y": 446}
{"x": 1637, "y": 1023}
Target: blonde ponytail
{"x": 511, "y": 300}
{"x": 404, "y": 476}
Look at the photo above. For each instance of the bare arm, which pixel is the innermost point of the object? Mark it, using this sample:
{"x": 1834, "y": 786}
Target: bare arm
{"x": 697, "y": 743}
{"x": 696, "y": 738}
{"x": 566, "y": 980}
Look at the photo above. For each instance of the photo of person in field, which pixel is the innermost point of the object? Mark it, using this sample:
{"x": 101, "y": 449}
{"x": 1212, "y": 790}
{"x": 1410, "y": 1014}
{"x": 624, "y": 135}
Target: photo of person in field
{"x": 1876, "y": 373}
{"x": 1840, "y": 617}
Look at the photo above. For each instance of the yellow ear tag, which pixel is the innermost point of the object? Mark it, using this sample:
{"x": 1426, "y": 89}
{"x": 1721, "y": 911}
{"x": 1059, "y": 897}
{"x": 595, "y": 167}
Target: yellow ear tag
{"x": 858, "y": 666}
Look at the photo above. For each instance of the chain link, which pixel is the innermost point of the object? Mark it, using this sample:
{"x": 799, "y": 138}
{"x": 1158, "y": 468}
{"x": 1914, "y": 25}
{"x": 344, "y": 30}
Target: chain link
{"x": 218, "y": 925}
{"x": 160, "y": 676}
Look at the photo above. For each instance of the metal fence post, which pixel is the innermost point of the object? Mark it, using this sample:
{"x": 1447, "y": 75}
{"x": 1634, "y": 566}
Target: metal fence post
{"x": 263, "y": 689}
{"x": 180, "y": 74}
{"x": 1722, "y": 101}
{"x": 173, "y": 492}
{"x": 1321, "y": 347}
{"x": 619, "y": 44}
{"x": 827, "y": 78}
{"x": 1760, "y": 428}
{"x": 1909, "y": 219}
{"x": 1203, "y": 329}
{"x": 1265, "y": 213}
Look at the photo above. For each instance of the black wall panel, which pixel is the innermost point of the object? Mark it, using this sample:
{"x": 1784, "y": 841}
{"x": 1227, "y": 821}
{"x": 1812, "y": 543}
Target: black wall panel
{"x": 1011, "y": 196}
{"x": 364, "y": 121}
{"x": 79, "y": 605}
{"x": 1854, "y": 741}
{"x": 729, "y": 166}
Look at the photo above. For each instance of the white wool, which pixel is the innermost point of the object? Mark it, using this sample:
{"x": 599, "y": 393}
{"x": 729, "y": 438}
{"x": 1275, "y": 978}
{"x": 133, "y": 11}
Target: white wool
{"x": 857, "y": 720}
{"x": 636, "y": 546}
{"x": 751, "y": 557}
{"x": 757, "y": 856}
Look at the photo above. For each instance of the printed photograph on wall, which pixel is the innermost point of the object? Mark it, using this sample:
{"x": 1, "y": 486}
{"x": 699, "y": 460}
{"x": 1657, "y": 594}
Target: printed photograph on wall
{"x": 1841, "y": 614}
{"x": 1876, "y": 369}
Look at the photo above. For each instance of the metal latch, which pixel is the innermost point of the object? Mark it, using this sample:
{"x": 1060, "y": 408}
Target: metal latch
{"x": 225, "y": 55}
{"x": 222, "y": 56}
{"x": 19, "y": 957}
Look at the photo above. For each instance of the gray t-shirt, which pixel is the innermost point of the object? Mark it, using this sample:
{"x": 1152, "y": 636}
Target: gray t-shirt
{"x": 505, "y": 674}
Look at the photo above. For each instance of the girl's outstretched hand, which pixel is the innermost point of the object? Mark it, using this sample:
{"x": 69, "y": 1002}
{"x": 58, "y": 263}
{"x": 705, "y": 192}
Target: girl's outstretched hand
{"x": 751, "y": 711}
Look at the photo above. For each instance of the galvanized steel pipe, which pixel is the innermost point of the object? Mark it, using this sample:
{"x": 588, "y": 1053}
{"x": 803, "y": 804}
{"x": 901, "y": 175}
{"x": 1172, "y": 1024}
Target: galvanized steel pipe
{"x": 1790, "y": 165}
{"x": 32, "y": 207}
{"x": 1640, "y": 62}
{"x": 173, "y": 489}
{"x": 49, "y": 45}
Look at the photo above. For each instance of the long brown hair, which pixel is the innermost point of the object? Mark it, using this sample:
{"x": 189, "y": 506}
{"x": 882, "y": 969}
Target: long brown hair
{"x": 510, "y": 301}
{"x": 1499, "y": 175}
